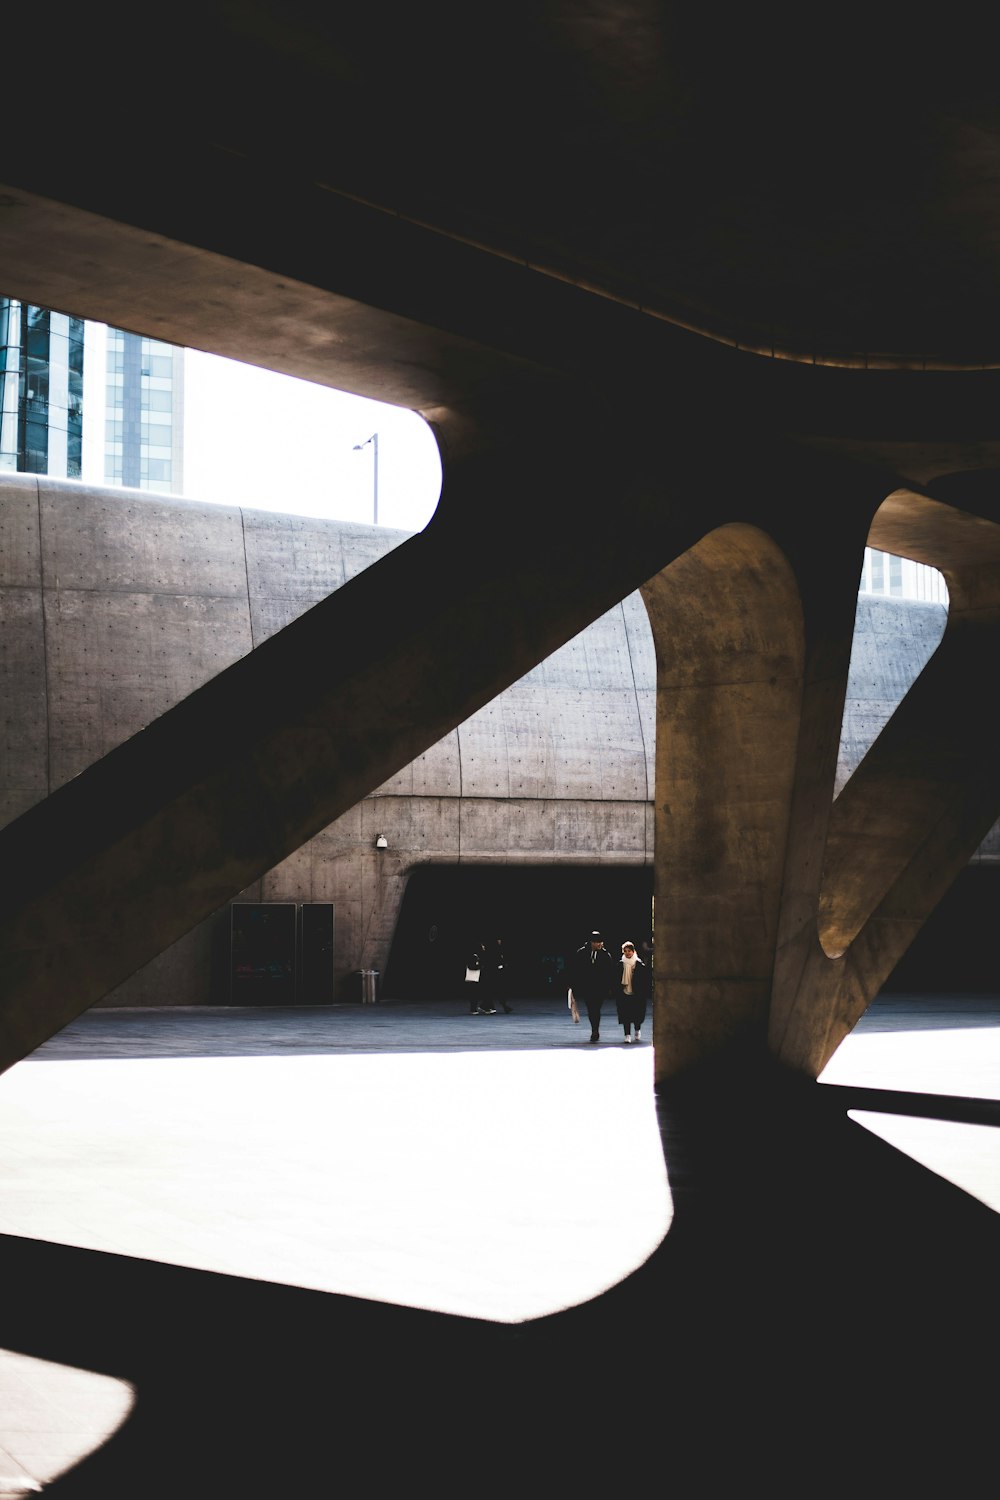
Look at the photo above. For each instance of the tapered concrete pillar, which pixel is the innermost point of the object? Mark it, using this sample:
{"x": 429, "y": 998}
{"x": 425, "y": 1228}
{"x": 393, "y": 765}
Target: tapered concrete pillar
{"x": 779, "y": 911}
{"x": 727, "y": 627}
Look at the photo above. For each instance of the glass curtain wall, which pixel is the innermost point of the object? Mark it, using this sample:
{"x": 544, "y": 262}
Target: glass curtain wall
{"x": 143, "y": 414}
{"x": 41, "y": 390}
{"x": 901, "y": 578}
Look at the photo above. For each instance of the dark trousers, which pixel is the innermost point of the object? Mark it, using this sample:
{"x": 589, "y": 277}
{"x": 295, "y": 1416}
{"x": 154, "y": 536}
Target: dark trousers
{"x": 594, "y": 1014}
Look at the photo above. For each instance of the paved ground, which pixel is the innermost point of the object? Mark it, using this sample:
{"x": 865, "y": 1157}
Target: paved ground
{"x": 495, "y": 1169}
{"x": 410, "y": 1154}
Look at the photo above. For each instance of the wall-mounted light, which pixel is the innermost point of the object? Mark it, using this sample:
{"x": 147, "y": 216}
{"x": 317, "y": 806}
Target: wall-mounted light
{"x": 381, "y": 842}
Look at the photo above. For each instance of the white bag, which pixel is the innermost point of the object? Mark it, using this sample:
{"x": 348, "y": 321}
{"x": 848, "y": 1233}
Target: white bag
{"x": 472, "y": 976}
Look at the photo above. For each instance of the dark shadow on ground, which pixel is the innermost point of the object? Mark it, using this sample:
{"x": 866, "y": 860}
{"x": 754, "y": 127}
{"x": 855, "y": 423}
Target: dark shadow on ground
{"x": 821, "y": 1318}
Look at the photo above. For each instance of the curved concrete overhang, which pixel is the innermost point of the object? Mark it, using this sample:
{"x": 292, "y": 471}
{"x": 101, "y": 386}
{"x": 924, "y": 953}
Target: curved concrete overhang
{"x": 843, "y": 212}
{"x": 453, "y": 326}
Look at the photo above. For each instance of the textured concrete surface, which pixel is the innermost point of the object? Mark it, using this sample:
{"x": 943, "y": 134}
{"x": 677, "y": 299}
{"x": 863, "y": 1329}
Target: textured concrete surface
{"x": 144, "y": 599}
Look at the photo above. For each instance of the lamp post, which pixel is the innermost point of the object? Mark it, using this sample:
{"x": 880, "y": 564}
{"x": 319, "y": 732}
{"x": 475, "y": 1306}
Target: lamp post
{"x": 374, "y": 442}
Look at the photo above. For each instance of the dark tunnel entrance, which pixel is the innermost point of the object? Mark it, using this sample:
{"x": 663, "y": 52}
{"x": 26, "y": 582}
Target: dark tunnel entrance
{"x": 955, "y": 950}
{"x": 542, "y": 913}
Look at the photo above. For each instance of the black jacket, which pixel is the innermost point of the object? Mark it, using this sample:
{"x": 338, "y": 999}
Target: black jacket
{"x": 592, "y": 978}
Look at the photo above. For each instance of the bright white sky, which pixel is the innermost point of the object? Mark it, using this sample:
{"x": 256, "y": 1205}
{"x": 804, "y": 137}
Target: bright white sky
{"x": 271, "y": 442}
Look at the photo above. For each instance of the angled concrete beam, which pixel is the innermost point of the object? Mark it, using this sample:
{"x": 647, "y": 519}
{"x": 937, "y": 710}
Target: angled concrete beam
{"x": 133, "y": 852}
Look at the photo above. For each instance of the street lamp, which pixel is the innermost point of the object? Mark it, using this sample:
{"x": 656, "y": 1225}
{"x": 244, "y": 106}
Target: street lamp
{"x": 374, "y": 442}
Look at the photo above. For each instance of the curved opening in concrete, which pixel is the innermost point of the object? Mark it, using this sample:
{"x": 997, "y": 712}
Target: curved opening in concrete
{"x": 179, "y": 421}
{"x": 901, "y": 618}
{"x": 879, "y": 797}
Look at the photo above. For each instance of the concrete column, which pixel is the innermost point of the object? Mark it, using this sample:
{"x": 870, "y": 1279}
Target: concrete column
{"x": 727, "y": 627}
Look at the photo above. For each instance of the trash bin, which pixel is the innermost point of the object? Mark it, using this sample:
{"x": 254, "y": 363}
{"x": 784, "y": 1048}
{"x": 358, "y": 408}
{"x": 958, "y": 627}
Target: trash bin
{"x": 369, "y": 984}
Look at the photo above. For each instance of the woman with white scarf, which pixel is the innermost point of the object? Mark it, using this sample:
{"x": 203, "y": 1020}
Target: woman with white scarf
{"x": 633, "y": 991}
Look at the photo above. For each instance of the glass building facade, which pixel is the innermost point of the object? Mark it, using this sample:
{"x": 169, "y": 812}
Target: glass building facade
{"x": 41, "y": 390}
{"x": 144, "y": 404}
{"x": 139, "y": 442}
{"x": 901, "y": 578}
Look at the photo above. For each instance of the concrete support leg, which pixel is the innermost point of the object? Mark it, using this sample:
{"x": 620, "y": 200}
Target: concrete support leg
{"x": 779, "y": 912}
{"x": 910, "y": 818}
{"x": 727, "y": 626}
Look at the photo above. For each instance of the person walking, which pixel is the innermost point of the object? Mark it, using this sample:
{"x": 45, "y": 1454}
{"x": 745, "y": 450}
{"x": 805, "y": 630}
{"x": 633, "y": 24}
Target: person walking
{"x": 486, "y": 960}
{"x": 633, "y": 992}
{"x": 491, "y": 977}
{"x": 591, "y": 977}
{"x": 499, "y": 976}
{"x": 475, "y": 982}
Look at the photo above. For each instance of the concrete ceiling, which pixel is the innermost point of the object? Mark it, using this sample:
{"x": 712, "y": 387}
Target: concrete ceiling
{"x": 791, "y": 217}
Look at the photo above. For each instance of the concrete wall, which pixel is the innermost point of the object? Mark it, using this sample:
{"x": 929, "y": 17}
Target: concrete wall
{"x": 115, "y": 604}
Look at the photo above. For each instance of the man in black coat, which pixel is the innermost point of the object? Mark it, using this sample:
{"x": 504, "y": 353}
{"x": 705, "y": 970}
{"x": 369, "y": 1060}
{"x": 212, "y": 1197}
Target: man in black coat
{"x": 591, "y": 976}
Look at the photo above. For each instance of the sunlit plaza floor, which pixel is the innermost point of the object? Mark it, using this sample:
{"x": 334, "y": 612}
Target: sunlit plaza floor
{"x": 495, "y": 1167}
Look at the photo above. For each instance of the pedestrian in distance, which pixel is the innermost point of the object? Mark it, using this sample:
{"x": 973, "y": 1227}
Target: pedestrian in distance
{"x": 591, "y": 975}
{"x": 499, "y": 976}
{"x": 475, "y": 987}
{"x": 633, "y": 992}
{"x": 486, "y": 961}
{"x": 491, "y": 977}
